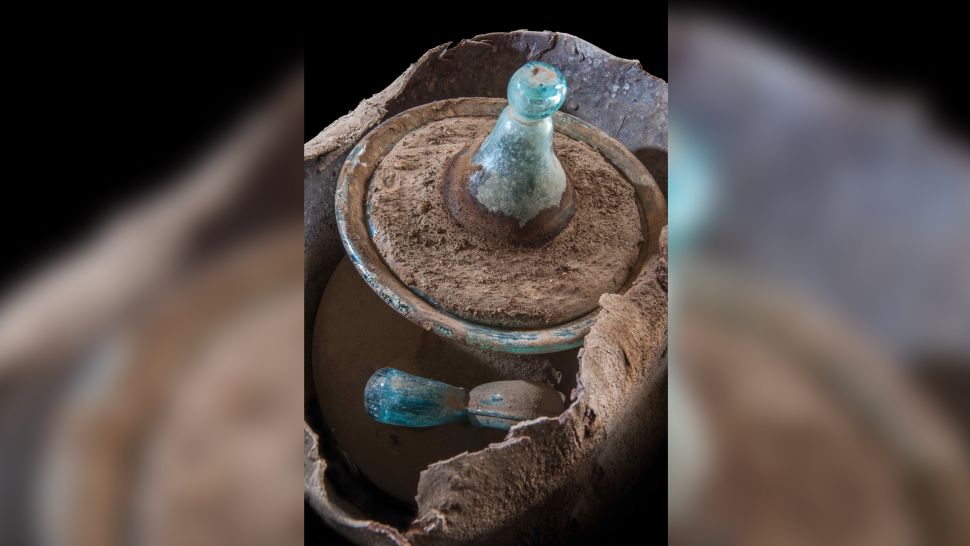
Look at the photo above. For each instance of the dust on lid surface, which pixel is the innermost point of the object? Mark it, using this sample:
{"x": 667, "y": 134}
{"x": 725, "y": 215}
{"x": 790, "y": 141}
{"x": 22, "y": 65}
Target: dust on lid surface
{"x": 485, "y": 279}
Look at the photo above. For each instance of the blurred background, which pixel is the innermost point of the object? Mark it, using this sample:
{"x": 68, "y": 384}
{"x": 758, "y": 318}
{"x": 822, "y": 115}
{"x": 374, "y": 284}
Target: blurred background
{"x": 151, "y": 298}
{"x": 820, "y": 293}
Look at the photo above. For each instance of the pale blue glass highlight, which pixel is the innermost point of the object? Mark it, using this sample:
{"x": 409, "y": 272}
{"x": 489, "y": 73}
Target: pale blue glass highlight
{"x": 399, "y": 398}
{"x": 520, "y": 176}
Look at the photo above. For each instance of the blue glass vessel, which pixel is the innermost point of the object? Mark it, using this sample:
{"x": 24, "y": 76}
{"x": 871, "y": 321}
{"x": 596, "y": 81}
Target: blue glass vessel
{"x": 510, "y": 183}
{"x": 519, "y": 174}
{"x": 399, "y": 398}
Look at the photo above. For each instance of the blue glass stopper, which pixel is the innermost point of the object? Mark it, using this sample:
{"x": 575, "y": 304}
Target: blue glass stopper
{"x": 518, "y": 175}
{"x": 536, "y": 90}
{"x": 394, "y": 397}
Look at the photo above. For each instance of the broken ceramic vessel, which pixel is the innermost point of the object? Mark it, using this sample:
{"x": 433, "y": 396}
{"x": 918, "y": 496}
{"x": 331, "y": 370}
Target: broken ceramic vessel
{"x": 467, "y": 497}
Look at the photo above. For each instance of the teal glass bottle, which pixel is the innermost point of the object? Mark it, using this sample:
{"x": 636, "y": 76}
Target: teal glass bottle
{"x": 518, "y": 174}
{"x": 398, "y": 398}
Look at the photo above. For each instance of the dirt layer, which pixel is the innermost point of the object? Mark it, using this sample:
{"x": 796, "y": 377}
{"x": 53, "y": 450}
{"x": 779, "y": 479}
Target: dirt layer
{"x": 491, "y": 281}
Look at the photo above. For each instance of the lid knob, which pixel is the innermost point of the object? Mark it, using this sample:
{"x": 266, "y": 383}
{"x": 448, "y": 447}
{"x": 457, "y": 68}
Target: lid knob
{"x": 510, "y": 183}
{"x": 536, "y": 90}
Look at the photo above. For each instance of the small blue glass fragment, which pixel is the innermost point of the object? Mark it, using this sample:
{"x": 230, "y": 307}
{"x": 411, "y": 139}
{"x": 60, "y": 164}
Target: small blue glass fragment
{"x": 394, "y": 397}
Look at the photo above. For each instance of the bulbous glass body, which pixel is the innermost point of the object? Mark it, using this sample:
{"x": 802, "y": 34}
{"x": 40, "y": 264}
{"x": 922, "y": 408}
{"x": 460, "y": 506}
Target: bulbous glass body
{"x": 519, "y": 175}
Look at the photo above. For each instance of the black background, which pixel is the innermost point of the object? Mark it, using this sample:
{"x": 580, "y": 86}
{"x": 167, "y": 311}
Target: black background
{"x": 98, "y": 115}
{"x": 914, "y": 49}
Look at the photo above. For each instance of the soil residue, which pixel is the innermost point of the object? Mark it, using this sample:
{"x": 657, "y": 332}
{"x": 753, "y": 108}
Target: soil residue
{"x": 491, "y": 281}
